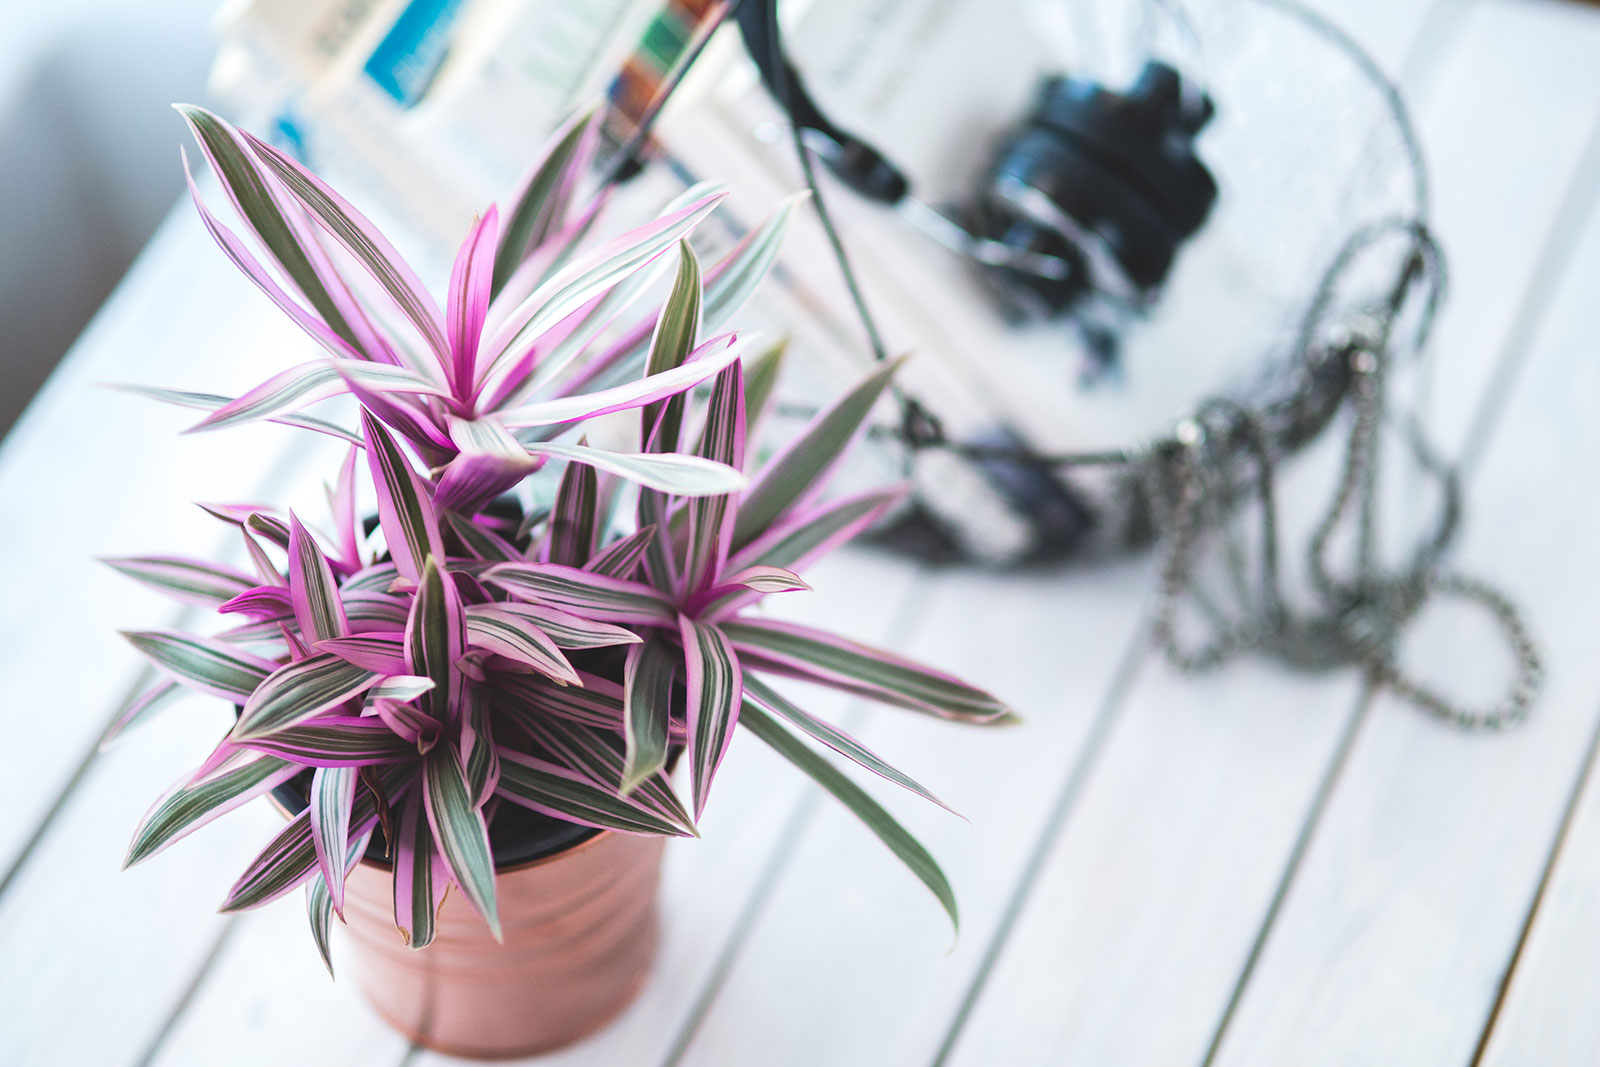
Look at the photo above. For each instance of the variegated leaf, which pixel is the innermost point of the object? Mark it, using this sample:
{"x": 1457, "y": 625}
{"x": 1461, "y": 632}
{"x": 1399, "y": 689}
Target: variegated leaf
{"x": 869, "y": 811}
{"x": 566, "y": 794}
{"x": 191, "y": 581}
{"x": 715, "y": 684}
{"x": 459, "y": 830}
{"x": 203, "y": 663}
{"x": 299, "y": 691}
{"x": 647, "y": 710}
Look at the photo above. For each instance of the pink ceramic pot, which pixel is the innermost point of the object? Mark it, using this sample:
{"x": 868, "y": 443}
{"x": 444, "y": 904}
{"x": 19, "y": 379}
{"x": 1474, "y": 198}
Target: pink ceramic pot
{"x": 580, "y": 935}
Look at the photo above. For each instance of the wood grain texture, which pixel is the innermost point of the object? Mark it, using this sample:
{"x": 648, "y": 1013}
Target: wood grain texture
{"x": 1150, "y": 905}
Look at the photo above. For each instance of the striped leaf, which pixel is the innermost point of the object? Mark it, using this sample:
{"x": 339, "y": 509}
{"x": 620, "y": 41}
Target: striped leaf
{"x": 342, "y": 741}
{"x": 203, "y": 663}
{"x": 761, "y": 373}
{"x": 459, "y": 830}
{"x": 479, "y": 541}
{"x": 572, "y": 519}
{"x": 554, "y": 790}
{"x": 834, "y": 661}
{"x": 248, "y": 187}
{"x": 191, "y": 581}
{"x": 621, "y": 558}
{"x": 764, "y": 578}
{"x": 362, "y": 240}
{"x": 468, "y": 301}
{"x": 711, "y": 518}
{"x": 802, "y": 538}
{"x": 590, "y": 275}
{"x": 319, "y": 900}
{"x": 478, "y": 755}
{"x": 677, "y": 328}
{"x": 564, "y": 629}
{"x": 647, "y": 710}
{"x": 212, "y": 402}
{"x": 299, "y": 691}
{"x": 593, "y": 753}
{"x": 404, "y": 510}
{"x": 543, "y": 195}
{"x": 269, "y": 526}
{"x": 869, "y": 811}
{"x": 797, "y": 474}
{"x": 191, "y": 804}
{"x": 706, "y": 360}
{"x": 508, "y": 633}
{"x": 261, "y": 602}
{"x": 333, "y": 794}
{"x": 312, "y": 591}
{"x": 288, "y": 861}
{"x": 369, "y": 611}
{"x": 715, "y": 683}
{"x": 528, "y": 698}
{"x": 299, "y": 387}
{"x": 745, "y": 266}
{"x": 435, "y": 639}
{"x": 376, "y": 579}
{"x": 580, "y": 592}
{"x": 670, "y": 472}
{"x": 417, "y": 889}
{"x": 384, "y": 653}
{"x": 832, "y": 736}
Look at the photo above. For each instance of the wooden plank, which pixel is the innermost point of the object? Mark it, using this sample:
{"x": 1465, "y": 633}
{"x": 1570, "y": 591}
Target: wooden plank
{"x": 852, "y": 939}
{"x": 114, "y": 476}
{"x": 98, "y": 472}
{"x": 1407, "y": 911}
{"x": 1150, "y": 902}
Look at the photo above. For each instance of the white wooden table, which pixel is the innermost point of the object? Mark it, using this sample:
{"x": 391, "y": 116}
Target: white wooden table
{"x": 1256, "y": 868}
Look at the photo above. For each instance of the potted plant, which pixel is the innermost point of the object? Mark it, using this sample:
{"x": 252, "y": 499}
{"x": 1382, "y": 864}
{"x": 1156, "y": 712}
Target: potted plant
{"x": 472, "y": 690}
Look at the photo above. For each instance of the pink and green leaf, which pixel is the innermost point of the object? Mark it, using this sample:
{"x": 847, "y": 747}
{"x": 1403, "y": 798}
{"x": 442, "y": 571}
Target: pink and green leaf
{"x": 594, "y": 754}
{"x": 564, "y": 793}
{"x": 384, "y": 653}
{"x": 190, "y": 804}
{"x": 507, "y": 632}
{"x": 803, "y": 652}
{"x": 880, "y": 822}
{"x": 362, "y": 240}
{"x": 313, "y": 592}
{"x": 404, "y": 509}
{"x": 459, "y": 830}
{"x": 417, "y": 889}
{"x": 796, "y": 475}
{"x": 435, "y": 639}
{"x": 540, "y": 203}
{"x": 669, "y": 472}
{"x": 677, "y": 329}
{"x": 337, "y": 741}
{"x": 468, "y": 300}
{"x": 191, "y": 581}
{"x": 706, "y": 361}
{"x": 711, "y": 518}
{"x": 621, "y": 558}
{"x": 715, "y": 684}
{"x": 647, "y": 710}
{"x": 299, "y": 691}
{"x": 203, "y": 663}
{"x": 572, "y": 519}
{"x": 583, "y": 593}
{"x": 830, "y": 735}
{"x": 333, "y": 795}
